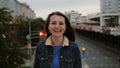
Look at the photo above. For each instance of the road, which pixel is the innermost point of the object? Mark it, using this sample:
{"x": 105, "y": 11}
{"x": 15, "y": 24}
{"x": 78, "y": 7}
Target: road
{"x": 97, "y": 56}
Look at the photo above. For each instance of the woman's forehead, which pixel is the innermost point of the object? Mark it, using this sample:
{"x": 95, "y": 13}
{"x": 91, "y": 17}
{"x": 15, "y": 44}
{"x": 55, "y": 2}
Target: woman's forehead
{"x": 57, "y": 17}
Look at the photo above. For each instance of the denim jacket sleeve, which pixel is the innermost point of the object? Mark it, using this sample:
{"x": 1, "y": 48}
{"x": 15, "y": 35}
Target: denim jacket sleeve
{"x": 36, "y": 61}
{"x": 78, "y": 63}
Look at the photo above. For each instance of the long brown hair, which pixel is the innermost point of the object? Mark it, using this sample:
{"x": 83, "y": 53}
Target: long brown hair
{"x": 69, "y": 33}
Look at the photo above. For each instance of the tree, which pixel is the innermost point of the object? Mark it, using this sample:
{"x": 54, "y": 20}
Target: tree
{"x": 5, "y": 18}
{"x": 11, "y": 56}
{"x": 37, "y": 25}
{"x": 23, "y": 30}
{"x": 5, "y": 15}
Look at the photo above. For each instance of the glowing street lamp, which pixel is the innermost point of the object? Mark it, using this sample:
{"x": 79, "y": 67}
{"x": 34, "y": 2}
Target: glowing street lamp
{"x": 83, "y": 50}
{"x": 41, "y": 33}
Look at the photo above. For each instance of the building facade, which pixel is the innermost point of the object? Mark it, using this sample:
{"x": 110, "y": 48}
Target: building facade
{"x": 73, "y": 16}
{"x": 110, "y": 12}
{"x": 17, "y": 8}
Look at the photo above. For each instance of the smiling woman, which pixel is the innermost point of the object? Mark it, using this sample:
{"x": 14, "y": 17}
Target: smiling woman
{"x": 57, "y": 26}
{"x": 59, "y": 49}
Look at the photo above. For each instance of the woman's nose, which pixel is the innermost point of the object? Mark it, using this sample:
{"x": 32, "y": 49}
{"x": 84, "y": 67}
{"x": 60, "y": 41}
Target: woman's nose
{"x": 57, "y": 25}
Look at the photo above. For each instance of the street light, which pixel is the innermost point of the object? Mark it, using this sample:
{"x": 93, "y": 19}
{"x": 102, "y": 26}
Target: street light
{"x": 29, "y": 46}
{"x": 83, "y": 53}
{"x": 83, "y": 50}
{"x": 30, "y": 33}
{"x": 41, "y": 33}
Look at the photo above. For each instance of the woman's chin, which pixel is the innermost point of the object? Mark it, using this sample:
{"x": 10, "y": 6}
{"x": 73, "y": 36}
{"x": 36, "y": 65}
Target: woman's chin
{"x": 57, "y": 35}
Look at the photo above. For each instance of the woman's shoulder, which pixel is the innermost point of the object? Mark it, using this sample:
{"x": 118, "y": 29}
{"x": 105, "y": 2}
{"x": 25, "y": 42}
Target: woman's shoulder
{"x": 40, "y": 44}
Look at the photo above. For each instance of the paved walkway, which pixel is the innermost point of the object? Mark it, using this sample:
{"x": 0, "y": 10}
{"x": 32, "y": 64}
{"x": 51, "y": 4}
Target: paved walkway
{"x": 29, "y": 63}
{"x": 84, "y": 64}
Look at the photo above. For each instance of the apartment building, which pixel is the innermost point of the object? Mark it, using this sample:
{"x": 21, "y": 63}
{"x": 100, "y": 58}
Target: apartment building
{"x": 110, "y": 6}
{"x": 110, "y": 10}
{"x": 17, "y": 8}
{"x": 73, "y": 16}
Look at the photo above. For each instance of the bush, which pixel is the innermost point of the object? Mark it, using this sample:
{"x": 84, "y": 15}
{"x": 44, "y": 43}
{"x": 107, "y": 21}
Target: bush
{"x": 12, "y": 58}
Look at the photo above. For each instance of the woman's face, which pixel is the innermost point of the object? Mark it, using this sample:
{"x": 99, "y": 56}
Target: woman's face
{"x": 57, "y": 25}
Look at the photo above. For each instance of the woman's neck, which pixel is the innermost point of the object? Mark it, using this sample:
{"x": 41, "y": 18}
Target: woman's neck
{"x": 57, "y": 40}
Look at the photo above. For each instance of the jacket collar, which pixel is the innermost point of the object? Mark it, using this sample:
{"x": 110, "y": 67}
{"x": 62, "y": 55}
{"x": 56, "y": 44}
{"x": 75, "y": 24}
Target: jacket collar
{"x": 65, "y": 42}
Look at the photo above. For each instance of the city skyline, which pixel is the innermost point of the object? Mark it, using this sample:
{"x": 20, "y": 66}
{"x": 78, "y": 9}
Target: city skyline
{"x": 43, "y": 7}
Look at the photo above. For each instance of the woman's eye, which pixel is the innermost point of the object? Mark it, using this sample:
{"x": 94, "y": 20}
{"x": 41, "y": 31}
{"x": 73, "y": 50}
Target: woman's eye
{"x": 53, "y": 23}
{"x": 61, "y": 23}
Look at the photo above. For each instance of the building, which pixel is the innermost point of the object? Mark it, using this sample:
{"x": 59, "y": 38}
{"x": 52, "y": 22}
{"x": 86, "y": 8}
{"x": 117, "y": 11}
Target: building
{"x": 17, "y": 8}
{"x": 83, "y": 19}
{"x": 94, "y": 18}
{"x": 27, "y": 11}
{"x": 110, "y": 12}
{"x": 110, "y": 6}
{"x": 73, "y": 16}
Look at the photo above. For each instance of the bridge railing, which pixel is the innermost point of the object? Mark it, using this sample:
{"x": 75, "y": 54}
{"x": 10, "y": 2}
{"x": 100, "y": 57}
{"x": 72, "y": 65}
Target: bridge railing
{"x": 107, "y": 30}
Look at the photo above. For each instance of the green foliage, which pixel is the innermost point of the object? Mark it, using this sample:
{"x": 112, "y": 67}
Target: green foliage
{"x": 1, "y": 26}
{"x": 23, "y": 30}
{"x": 5, "y": 18}
{"x": 5, "y": 15}
{"x": 37, "y": 24}
{"x": 12, "y": 58}
{"x": 11, "y": 54}
{"x": 3, "y": 43}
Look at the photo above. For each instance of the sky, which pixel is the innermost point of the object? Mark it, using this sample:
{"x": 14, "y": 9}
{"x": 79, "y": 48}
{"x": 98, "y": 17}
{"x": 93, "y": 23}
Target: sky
{"x": 44, "y": 7}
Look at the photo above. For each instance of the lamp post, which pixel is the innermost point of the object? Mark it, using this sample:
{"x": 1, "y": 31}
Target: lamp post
{"x": 29, "y": 40}
{"x": 30, "y": 33}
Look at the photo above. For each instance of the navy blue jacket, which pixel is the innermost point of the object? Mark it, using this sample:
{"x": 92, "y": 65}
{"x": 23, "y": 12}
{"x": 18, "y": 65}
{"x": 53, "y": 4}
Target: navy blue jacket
{"x": 69, "y": 55}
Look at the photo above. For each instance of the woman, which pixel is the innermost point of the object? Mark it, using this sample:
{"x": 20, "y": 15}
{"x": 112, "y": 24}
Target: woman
{"x": 59, "y": 49}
